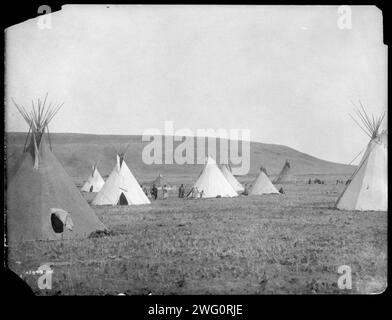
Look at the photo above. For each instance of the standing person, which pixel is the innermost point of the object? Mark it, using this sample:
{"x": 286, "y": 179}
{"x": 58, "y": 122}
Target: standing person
{"x": 181, "y": 191}
{"x": 246, "y": 190}
{"x": 165, "y": 192}
{"x": 154, "y": 191}
{"x": 194, "y": 192}
{"x": 201, "y": 194}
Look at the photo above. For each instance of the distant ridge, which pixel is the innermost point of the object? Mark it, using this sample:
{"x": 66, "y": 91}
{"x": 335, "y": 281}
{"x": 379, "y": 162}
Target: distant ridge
{"x": 77, "y": 150}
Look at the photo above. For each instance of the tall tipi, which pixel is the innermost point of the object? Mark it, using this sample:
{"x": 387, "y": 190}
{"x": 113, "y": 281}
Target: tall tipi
{"x": 213, "y": 183}
{"x": 121, "y": 187}
{"x": 285, "y": 174}
{"x": 369, "y": 183}
{"x": 41, "y": 191}
{"x": 262, "y": 184}
{"x": 94, "y": 182}
{"x": 237, "y": 186}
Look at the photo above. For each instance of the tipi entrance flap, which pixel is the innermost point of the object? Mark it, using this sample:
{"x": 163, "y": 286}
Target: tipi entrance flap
{"x": 60, "y": 220}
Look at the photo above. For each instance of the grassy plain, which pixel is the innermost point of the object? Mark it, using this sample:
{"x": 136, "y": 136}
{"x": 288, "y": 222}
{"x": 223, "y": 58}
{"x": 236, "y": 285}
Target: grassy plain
{"x": 292, "y": 243}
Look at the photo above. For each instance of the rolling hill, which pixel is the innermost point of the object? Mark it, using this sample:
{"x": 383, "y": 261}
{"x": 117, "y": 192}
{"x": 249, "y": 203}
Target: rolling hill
{"x": 77, "y": 152}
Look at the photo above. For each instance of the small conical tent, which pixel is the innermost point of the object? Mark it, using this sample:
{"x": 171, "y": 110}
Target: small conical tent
{"x": 284, "y": 175}
{"x": 40, "y": 190}
{"x": 262, "y": 184}
{"x": 237, "y": 186}
{"x": 94, "y": 182}
{"x": 121, "y": 187}
{"x": 160, "y": 181}
{"x": 213, "y": 183}
{"x": 368, "y": 189}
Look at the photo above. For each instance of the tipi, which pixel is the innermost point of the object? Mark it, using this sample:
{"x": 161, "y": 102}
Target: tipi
{"x": 160, "y": 181}
{"x": 42, "y": 201}
{"x": 94, "y": 181}
{"x": 369, "y": 183}
{"x": 231, "y": 179}
{"x": 262, "y": 184}
{"x": 121, "y": 187}
{"x": 284, "y": 175}
{"x": 212, "y": 182}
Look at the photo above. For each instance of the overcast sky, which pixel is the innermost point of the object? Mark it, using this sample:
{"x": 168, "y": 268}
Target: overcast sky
{"x": 286, "y": 73}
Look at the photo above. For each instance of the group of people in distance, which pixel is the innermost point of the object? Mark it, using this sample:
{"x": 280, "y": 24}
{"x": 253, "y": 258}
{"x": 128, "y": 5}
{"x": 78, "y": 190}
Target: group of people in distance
{"x": 342, "y": 181}
{"x": 318, "y": 181}
{"x": 194, "y": 193}
{"x": 153, "y": 192}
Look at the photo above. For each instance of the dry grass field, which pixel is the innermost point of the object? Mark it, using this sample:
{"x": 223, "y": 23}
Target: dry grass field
{"x": 292, "y": 243}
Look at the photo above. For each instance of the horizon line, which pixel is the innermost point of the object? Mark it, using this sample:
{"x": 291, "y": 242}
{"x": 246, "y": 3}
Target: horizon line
{"x": 140, "y": 135}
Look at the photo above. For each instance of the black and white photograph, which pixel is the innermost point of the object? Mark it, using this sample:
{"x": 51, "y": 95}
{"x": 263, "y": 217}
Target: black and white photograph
{"x": 159, "y": 150}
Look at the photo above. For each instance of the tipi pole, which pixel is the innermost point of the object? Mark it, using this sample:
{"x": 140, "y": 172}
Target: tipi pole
{"x": 50, "y": 144}
{"x": 27, "y": 138}
{"x": 366, "y": 132}
{"x": 356, "y": 157}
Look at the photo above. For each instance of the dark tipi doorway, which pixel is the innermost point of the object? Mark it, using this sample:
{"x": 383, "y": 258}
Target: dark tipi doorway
{"x": 122, "y": 201}
{"x": 91, "y": 188}
{"x": 57, "y": 224}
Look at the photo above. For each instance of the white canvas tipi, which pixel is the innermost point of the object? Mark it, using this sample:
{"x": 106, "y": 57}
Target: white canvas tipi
{"x": 94, "y": 182}
{"x": 262, "y": 184}
{"x": 121, "y": 187}
{"x": 213, "y": 183}
{"x": 237, "y": 186}
{"x": 369, "y": 183}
